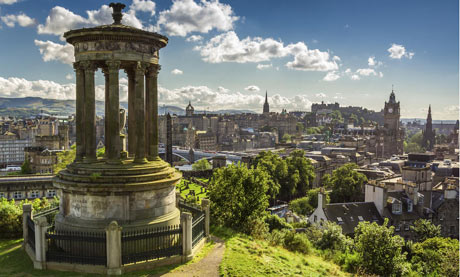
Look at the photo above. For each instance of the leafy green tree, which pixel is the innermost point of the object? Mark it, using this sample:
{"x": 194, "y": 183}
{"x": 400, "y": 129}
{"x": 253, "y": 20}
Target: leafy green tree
{"x": 436, "y": 257}
{"x": 346, "y": 184}
{"x": 354, "y": 117}
{"x": 286, "y": 138}
{"x": 332, "y": 237}
{"x": 25, "y": 168}
{"x": 201, "y": 165}
{"x": 299, "y": 127}
{"x": 300, "y": 175}
{"x": 276, "y": 168}
{"x": 424, "y": 229}
{"x": 378, "y": 249}
{"x": 100, "y": 152}
{"x": 306, "y": 205}
{"x": 412, "y": 147}
{"x": 64, "y": 158}
{"x": 276, "y": 223}
{"x": 238, "y": 196}
{"x": 336, "y": 117}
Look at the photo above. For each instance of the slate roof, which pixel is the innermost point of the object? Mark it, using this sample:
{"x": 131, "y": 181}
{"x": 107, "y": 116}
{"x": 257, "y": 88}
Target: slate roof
{"x": 348, "y": 215}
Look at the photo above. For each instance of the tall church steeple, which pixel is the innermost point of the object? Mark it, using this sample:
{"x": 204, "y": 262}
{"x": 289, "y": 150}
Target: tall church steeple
{"x": 429, "y": 134}
{"x": 266, "y": 106}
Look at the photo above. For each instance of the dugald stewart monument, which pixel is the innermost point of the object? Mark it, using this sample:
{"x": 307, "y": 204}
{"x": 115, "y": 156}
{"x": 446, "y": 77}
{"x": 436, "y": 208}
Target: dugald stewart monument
{"x": 134, "y": 187}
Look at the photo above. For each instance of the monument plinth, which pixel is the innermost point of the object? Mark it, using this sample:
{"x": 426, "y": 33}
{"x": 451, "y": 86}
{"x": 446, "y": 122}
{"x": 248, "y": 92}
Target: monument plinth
{"x": 135, "y": 187}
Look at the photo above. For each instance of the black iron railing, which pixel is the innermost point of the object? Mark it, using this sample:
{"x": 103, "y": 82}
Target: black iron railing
{"x": 197, "y": 229}
{"x": 151, "y": 244}
{"x": 50, "y": 214}
{"x": 76, "y": 247}
{"x": 192, "y": 208}
{"x": 31, "y": 232}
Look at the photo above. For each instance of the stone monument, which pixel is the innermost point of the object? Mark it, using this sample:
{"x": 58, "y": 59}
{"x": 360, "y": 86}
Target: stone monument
{"x": 134, "y": 187}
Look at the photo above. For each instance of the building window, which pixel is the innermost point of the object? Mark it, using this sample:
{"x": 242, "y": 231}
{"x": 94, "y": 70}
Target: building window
{"x": 398, "y": 227}
{"x": 360, "y": 218}
{"x": 315, "y": 218}
{"x": 406, "y": 227}
{"x": 17, "y": 195}
{"x": 51, "y": 193}
{"x": 2, "y": 195}
{"x": 35, "y": 194}
{"x": 339, "y": 220}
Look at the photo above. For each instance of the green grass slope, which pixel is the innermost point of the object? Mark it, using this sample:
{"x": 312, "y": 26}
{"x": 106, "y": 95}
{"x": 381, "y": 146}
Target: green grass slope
{"x": 245, "y": 256}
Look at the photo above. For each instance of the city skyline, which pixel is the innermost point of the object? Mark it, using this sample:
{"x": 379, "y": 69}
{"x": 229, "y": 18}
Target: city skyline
{"x": 225, "y": 55}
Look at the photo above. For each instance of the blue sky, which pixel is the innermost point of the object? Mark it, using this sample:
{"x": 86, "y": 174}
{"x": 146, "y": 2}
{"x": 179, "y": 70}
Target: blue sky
{"x": 224, "y": 55}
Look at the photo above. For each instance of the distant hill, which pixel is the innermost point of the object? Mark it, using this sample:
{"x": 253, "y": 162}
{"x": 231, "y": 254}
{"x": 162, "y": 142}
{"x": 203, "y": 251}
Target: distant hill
{"x": 32, "y": 106}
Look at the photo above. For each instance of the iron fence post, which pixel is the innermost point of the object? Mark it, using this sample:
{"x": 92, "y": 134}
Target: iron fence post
{"x": 26, "y": 212}
{"x": 113, "y": 237}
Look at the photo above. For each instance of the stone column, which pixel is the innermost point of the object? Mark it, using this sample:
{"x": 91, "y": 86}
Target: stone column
{"x": 80, "y": 111}
{"x": 140, "y": 114}
{"x": 90, "y": 112}
{"x": 205, "y": 206}
{"x": 41, "y": 226}
{"x": 106, "y": 107}
{"x": 26, "y": 212}
{"x": 113, "y": 237}
{"x": 186, "y": 222}
{"x": 113, "y": 114}
{"x": 131, "y": 112}
{"x": 152, "y": 111}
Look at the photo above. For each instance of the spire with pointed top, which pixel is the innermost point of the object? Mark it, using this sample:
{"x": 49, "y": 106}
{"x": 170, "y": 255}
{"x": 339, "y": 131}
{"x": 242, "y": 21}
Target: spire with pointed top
{"x": 266, "y": 106}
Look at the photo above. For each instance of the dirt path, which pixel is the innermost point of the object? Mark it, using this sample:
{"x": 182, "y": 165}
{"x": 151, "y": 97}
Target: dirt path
{"x": 208, "y": 266}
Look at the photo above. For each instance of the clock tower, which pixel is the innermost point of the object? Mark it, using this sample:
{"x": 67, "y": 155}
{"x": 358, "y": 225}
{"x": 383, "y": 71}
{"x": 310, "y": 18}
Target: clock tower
{"x": 391, "y": 136}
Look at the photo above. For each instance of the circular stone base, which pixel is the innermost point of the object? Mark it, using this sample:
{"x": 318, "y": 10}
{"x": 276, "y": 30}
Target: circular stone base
{"x": 137, "y": 196}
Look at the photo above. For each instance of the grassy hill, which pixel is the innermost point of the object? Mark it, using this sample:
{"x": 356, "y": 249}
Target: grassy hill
{"x": 245, "y": 256}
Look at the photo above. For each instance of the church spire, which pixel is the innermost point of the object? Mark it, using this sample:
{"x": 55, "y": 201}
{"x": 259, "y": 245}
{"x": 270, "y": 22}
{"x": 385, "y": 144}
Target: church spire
{"x": 266, "y": 106}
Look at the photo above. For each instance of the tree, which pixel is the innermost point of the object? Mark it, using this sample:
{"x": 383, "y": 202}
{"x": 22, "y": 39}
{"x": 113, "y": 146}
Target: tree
{"x": 332, "y": 237}
{"x": 346, "y": 184}
{"x": 424, "y": 229}
{"x": 379, "y": 251}
{"x": 299, "y": 127}
{"x": 238, "y": 196}
{"x": 300, "y": 175}
{"x": 25, "y": 167}
{"x": 201, "y": 165}
{"x": 306, "y": 205}
{"x": 436, "y": 257}
{"x": 286, "y": 138}
{"x": 276, "y": 168}
{"x": 64, "y": 158}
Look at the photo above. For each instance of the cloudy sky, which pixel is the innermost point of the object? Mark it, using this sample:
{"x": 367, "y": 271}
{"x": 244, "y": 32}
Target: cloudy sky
{"x": 225, "y": 55}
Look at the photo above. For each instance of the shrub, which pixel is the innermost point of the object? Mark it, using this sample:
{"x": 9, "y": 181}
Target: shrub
{"x": 349, "y": 261}
{"x": 297, "y": 242}
{"x": 276, "y": 223}
{"x": 436, "y": 256}
{"x": 276, "y": 237}
{"x": 257, "y": 228}
{"x": 10, "y": 219}
{"x": 332, "y": 237}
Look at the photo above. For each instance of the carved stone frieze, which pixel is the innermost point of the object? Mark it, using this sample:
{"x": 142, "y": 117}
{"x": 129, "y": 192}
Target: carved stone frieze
{"x": 129, "y": 46}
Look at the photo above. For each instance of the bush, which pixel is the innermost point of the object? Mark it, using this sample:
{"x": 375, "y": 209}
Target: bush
{"x": 436, "y": 256}
{"x": 349, "y": 261}
{"x": 297, "y": 242}
{"x": 276, "y": 237}
{"x": 257, "y": 228}
{"x": 276, "y": 223}
{"x": 10, "y": 219}
{"x": 332, "y": 238}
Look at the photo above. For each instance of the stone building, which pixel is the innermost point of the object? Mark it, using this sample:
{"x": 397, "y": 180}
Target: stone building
{"x": 12, "y": 149}
{"x": 27, "y": 187}
{"x": 266, "y": 109}
{"x": 446, "y": 207}
{"x": 390, "y": 138}
{"x": 41, "y": 159}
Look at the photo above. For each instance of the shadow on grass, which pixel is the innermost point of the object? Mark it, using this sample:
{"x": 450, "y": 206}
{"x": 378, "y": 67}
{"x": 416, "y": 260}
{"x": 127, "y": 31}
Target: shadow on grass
{"x": 223, "y": 232}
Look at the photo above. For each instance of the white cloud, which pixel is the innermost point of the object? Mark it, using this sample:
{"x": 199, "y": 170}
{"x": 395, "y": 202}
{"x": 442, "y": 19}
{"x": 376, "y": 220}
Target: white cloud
{"x": 355, "y": 77}
{"x": 252, "y": 88}
{"x": 371, "y": 61}
{"x": 203, "y": 97}
{"x": 348, "y": 70}
{"x": 398, "y": 51}
{"x": 222, "y": 90}
{"x": 194, "y": 38}
{"x": 227, "y": 47}
{"x": 381, "y": 74}
{"x": 320, "y": 95}
{"x": 366, "y": 72}
{"x": 21, "y": 19}
{"x": 143, "y": 6}
{"x": 8, "y": 2}
{"x": 177, "y": 71}
{"x": 69, "y": 76}
{"x": 19, "y": 87}
{"x": 264, "y": 66}
{"x": 186, "y": 16}
{"x": 54, "y": 51}
{"x": 331, "y": 76}
{"x": 61, "y": 20}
